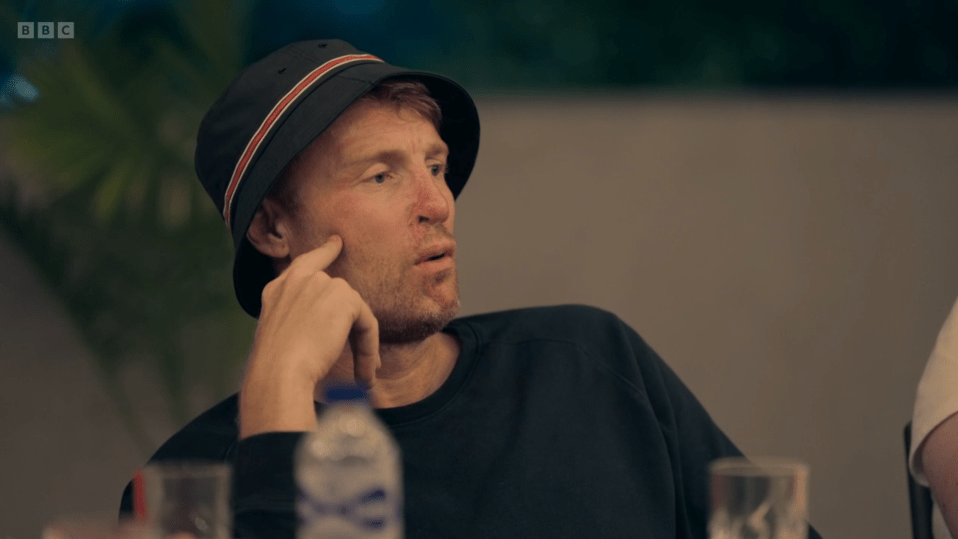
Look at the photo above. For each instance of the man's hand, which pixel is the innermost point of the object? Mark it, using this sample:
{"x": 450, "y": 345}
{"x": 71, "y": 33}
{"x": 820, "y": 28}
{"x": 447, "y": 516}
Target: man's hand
{"x": 305, "y": 324}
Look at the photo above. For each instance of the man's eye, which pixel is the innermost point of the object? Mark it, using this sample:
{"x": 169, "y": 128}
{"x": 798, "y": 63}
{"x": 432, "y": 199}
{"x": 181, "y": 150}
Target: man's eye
{"x": 438, "y": 169}
{"x": 380, "y": 178}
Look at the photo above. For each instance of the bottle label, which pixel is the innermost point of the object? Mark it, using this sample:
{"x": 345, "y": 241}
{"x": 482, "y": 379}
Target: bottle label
{"x": 373, "y": 513}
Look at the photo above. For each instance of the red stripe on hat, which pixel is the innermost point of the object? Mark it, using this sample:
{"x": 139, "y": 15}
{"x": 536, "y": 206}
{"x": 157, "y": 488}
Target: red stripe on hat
{"x": 139, "y": 497}
{"x": 311, "y": 78}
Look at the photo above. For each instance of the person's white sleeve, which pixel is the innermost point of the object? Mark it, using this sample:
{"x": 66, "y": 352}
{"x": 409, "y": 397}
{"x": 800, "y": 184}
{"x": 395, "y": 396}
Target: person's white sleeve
{"x": 937, "y": 397}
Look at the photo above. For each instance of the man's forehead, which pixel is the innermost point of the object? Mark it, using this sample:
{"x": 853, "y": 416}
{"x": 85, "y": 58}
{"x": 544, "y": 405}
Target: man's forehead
{"x": 354, "y": 133}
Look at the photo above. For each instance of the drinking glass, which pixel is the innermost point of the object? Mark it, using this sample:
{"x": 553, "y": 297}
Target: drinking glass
{"x": 89, "y": 527}
{"x": 758, "y": 499}
{"x": 187, "y": 497}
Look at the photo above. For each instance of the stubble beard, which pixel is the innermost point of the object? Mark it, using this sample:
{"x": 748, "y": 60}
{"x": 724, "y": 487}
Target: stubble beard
{"x": 406, "y": 317}
{"x": 408, "y": 314}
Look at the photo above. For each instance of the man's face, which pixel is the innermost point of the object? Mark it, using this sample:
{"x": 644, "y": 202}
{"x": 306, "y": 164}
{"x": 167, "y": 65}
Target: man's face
{"x": 377, "y": 179}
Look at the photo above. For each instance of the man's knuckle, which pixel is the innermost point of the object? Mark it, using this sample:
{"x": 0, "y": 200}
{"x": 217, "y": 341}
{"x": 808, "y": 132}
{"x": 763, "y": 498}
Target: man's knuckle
{"x": 297, "y": 271}
{"x": 269, "y": 290}
{"x": 320, "y": 277}
{"x": 357, "y": 299}
{"x": 340, "y": 286}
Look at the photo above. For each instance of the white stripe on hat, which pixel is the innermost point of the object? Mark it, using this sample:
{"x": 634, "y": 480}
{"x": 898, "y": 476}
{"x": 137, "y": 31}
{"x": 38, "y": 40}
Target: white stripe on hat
{"x": 307, "y": 82}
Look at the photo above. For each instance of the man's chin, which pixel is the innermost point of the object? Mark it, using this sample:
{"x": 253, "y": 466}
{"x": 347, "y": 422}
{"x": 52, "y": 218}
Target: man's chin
{"x": 404, "y": 328}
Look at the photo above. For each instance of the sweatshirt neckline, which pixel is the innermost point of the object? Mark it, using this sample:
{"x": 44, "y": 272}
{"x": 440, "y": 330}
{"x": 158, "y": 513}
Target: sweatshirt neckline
{"x": 468, "y": 341}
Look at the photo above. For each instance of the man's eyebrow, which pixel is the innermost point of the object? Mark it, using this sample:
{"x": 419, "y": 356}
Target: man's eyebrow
{"x": 378, "y": 157}
{"x": 439, "y": 148}
{"x": 434, "y": 150}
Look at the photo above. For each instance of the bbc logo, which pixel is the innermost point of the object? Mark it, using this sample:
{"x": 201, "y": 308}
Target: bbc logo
{"x": 45, "y": 30}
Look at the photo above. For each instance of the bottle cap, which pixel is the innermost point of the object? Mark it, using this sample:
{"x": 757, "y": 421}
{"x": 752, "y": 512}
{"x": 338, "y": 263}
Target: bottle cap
{"x": 342, "y": 392}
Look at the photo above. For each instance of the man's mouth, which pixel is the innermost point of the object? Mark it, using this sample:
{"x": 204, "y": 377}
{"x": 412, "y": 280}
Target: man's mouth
{"x": 437, "y": 252}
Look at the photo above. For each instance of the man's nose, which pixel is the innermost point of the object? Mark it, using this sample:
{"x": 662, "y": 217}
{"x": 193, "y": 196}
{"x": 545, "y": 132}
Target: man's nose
{"x": 435, "y": 198}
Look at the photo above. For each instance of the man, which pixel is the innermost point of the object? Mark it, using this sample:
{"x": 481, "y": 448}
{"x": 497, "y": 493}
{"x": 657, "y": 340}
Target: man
{"x": 934, "y": 429}
{"x": 337, "y": 176}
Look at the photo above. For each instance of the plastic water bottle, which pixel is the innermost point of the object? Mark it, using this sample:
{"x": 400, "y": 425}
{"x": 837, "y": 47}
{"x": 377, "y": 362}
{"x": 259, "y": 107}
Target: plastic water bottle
{"x": 349, "y": 473}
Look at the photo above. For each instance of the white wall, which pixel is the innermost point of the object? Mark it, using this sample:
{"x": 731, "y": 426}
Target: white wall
{"x": 791, "y": 258}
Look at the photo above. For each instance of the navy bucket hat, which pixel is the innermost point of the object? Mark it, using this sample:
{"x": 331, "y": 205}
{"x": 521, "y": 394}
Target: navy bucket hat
{"x": 275, "y": 108}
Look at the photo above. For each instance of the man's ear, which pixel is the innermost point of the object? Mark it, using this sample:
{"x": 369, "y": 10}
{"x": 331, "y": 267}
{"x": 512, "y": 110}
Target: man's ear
{"x": 269, "y": 231}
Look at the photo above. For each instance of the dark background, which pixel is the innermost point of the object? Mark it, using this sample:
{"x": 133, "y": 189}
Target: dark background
{"x": 566, "y": 44}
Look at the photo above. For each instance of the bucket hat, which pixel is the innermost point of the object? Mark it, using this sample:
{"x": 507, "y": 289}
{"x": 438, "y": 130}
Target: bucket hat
{"x": 271, "y": 112}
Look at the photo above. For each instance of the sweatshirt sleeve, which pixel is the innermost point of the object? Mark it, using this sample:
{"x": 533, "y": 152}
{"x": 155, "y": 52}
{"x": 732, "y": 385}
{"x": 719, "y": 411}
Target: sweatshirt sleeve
{"x": 693, "y": 438}
{"x": 264, "y": 501}
{"x": 263, "y": 486}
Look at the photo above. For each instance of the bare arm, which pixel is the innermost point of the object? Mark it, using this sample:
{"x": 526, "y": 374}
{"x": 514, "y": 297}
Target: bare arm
{"x": 306, "y": 321}
{"x": 939, "y": 455}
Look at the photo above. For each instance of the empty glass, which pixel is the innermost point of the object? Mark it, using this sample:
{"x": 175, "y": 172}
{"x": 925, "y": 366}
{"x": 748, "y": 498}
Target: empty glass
{"x": 187, "y": 497}
{"x": 90, "y": 527}
{"x": 758, "y": 499}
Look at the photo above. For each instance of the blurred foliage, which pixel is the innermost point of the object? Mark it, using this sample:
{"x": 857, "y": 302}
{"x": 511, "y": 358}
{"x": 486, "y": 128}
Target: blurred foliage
{"x": 124, "y": 234}
{"x": 557, "y": 45}
{"x": 128, "y": 241}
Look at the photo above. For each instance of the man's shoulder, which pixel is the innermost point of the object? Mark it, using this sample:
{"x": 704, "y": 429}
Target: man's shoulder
{"x": 212, "y": 435}
{"x": 559, "y": 322}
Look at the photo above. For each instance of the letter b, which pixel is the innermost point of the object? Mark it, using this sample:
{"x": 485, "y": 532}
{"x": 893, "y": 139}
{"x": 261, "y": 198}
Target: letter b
{"x": 24, "y": 30}
{"x": 45, "y": 30}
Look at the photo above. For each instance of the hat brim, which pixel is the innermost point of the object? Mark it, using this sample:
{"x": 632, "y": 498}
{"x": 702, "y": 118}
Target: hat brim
{"x": 459, "y": 130}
